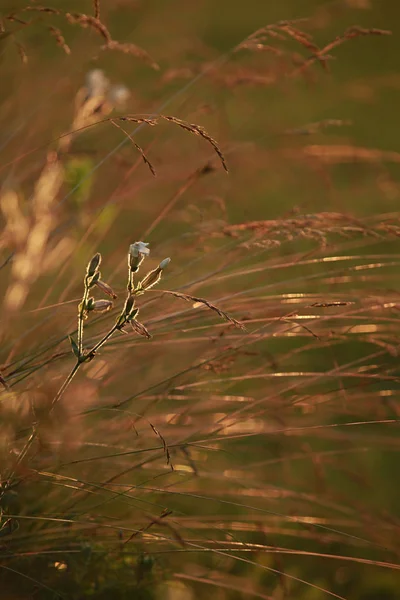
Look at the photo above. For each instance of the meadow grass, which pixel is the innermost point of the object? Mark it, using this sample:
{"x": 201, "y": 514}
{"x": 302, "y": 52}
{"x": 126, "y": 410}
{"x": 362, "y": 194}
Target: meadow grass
{"x": 241, "y": 443}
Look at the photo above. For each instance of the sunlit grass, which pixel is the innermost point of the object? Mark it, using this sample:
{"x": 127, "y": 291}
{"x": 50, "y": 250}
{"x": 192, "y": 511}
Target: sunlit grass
{"x": 209, "y": 459}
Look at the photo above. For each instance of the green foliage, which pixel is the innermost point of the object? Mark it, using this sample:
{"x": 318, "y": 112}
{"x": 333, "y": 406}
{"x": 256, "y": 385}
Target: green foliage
{"x": 86, "y": 573}
{"x": 79, "y": 181}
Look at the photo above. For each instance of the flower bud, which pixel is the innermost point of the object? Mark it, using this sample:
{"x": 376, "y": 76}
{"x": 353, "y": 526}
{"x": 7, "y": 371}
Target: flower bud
{"x": 106, "y": 288}
{"x": 102, "y": 305}
{"x": 154, "y": 276}
{"x": 151, "y": 279}
{"x": 94, "y": 264}
{"x": 140, "y": 329}
{"x": 164, "y": 263}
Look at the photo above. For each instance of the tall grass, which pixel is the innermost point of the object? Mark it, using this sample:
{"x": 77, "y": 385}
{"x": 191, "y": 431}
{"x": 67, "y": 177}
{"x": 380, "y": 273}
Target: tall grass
{"x": 248, "y": 447}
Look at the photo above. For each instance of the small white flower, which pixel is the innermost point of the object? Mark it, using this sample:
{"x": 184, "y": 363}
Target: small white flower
{"x": 136, "y": 255}
{"x": 118, "y": 95}
{"x": 96, "y": 83}
{"x": 139, "y": 248}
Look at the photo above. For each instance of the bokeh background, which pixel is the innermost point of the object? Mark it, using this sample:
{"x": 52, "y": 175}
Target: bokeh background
{"x": 207, "y": 461}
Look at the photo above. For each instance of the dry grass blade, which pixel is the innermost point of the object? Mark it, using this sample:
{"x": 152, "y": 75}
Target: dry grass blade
{"x": 89, "y": 21}
{"x": 311, "y": 128}
{"x": 197, "y": 130}
{"x": 139, "y": 120}
{"x": 314, "y": 227}
{"x": 21, "y": 52}
{"x": 154, "y": 521}
{"x": 56, "y": 33}
{"x": 280, "y": 31}
{"x": 353, "y": 32}
{"x": 350, "y": 33}
{"x": 44, "y": 9}
{"x": 299, "y": 36}
{"x": 190, "y": 181}
{"x": 301, "y": 325}
{"x": 3, "y": 382}
{"x": 132, "y": 119}
{"x": 328, "y": 304}
{"x": 347, "y": 153}
{"x": 283, "y": 30}
{"x": 96, "y": 6}
{"x": 145, "y": 159}
{"x": 164, "y": 443}
{"x": 209, "y": 305}
{"x": 15, "y": 19}
{"x": 133, "y": 49}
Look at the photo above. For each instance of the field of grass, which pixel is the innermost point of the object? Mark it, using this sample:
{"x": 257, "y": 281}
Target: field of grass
{"x": 224, "y": 424}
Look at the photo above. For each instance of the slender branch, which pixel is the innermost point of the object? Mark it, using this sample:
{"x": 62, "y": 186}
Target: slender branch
{"x": 101, "y": 343}
{"x": 66, "y": 383}
{"x": 130, "y": 286}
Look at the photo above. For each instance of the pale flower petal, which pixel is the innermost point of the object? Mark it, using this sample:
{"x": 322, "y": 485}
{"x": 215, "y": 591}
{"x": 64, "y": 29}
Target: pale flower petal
{"x": 139, "y": 248}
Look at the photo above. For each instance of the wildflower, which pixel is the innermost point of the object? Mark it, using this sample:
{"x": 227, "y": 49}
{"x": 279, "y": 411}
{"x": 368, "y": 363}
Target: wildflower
{"x": 139, "y": 248}
{"x": 96, "y": 83}
{"x": 137, "y": 253}
{"x": 118, "y": 95}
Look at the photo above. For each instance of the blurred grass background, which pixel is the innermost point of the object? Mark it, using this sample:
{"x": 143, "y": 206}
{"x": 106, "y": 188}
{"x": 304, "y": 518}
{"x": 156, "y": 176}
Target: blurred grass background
{"x": 283, "y": 440}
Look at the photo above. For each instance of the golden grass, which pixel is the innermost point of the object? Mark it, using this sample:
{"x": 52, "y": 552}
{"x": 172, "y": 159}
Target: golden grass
{"x": 209, "y": 457}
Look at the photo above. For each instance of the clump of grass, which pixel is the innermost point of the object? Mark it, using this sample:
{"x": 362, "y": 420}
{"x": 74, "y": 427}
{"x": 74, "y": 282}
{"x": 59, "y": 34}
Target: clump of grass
{"x": 128, "y": 316}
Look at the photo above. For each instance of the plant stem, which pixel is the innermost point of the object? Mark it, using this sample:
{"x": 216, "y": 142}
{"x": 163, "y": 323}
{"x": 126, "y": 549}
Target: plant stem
{"x": 99, "y": 344}
{"x": 81, "y": 317}
{"x": 66, "y": 383}
{"x": 56, "y": 398}
{"x": 130, "y": 286}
